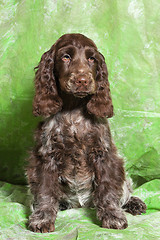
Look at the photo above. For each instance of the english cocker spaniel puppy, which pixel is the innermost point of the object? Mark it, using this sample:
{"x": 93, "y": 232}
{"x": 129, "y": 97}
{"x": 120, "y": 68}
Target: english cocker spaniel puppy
{"x": 75, "y": 162}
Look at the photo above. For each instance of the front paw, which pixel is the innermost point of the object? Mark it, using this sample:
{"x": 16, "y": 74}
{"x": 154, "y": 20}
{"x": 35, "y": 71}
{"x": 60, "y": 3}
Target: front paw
{"x": 114, "y": 221}
{"x": 41, "y": 221}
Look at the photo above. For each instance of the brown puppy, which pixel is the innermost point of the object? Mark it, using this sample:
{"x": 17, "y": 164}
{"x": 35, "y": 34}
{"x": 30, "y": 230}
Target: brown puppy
{"x": 75, "y": 162}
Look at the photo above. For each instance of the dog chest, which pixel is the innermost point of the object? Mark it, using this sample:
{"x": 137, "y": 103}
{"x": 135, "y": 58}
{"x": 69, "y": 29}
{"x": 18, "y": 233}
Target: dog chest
{"x": 66, "y": 126}
{"x": 77, "y": 189}
{"x": 70, "y": 152}
{"x": 68, "y": 138}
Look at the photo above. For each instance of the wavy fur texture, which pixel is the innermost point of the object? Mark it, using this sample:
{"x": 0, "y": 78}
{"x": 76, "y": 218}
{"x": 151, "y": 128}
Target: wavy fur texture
{"x": 74, "y": 162}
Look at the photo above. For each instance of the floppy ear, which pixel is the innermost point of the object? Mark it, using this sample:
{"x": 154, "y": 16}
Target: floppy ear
{"x": 100, "y": 103}
{"x": 46, "y": 101}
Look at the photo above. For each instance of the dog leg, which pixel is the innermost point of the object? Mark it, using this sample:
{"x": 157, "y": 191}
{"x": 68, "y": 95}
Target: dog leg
{"x": 43, "y": 181}
{"x": 109, "y": 179}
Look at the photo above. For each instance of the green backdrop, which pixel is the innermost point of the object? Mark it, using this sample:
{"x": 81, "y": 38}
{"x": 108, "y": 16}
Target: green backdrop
{"x": 127, "y": 33}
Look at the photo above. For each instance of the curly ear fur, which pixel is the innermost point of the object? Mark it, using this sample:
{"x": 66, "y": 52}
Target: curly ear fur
{"x": 46, "y": 101}
{"x": 100, "y": 103}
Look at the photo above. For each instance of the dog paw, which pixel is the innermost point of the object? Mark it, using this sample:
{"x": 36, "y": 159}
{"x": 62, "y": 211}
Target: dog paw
{"x": 135, "y": 206}
{"x": 41, "y": 227}
{"x": 39, "y": 222}
{"x": 114, "y": 222}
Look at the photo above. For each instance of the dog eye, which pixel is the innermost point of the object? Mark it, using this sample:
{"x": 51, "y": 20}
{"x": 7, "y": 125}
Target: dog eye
{"x": 91, "y": 59}
{"x": 66, "y": 58}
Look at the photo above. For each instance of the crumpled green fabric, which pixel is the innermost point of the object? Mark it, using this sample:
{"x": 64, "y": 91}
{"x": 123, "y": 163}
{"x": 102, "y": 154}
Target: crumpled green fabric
{"x": 79, "y": 223}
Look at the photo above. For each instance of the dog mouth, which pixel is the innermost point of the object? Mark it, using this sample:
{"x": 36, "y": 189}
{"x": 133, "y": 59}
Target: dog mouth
{"x": 81, "y": 90}
{"x": 81, "y": 94}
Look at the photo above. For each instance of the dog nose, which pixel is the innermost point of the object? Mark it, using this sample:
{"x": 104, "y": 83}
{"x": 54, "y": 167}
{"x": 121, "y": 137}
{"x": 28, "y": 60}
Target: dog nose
{"x": 82, "y": 81}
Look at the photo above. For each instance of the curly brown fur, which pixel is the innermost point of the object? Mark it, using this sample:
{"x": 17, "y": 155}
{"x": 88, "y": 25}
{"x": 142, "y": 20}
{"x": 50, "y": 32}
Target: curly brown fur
{"x": 75, "y": 162}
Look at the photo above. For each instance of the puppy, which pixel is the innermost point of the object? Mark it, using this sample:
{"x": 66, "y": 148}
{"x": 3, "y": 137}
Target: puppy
{"x": 75, "y": 162}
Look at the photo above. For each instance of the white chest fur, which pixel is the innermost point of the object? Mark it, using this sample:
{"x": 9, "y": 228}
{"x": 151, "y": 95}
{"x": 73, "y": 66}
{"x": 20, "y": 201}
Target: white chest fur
{"x": 72, "y": 129}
